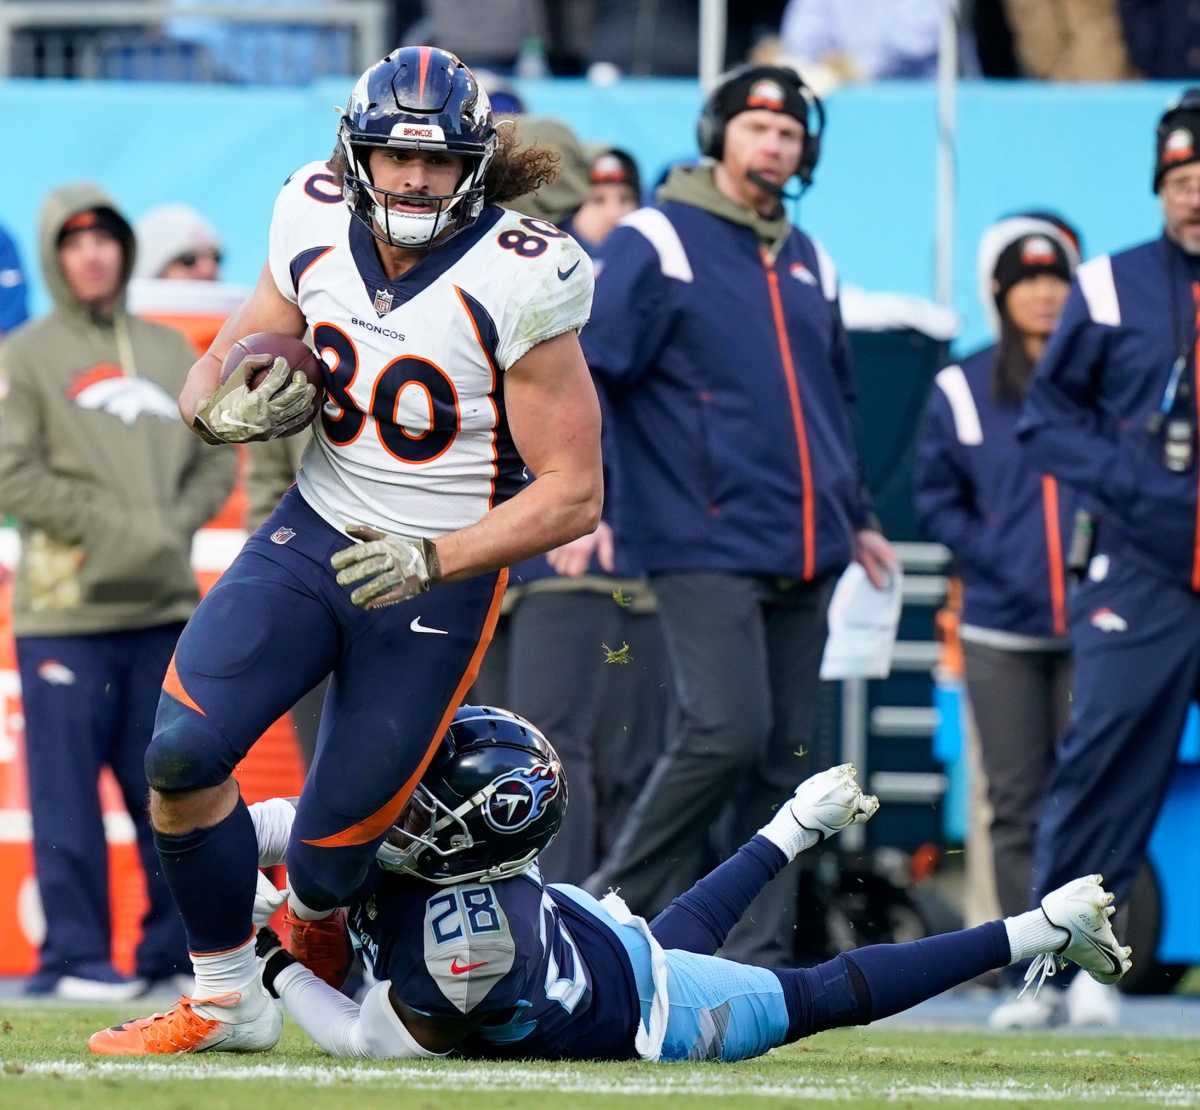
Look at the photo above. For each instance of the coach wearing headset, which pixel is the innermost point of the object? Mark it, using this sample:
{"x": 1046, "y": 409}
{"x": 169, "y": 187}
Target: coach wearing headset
{"x": 717, "y": 337}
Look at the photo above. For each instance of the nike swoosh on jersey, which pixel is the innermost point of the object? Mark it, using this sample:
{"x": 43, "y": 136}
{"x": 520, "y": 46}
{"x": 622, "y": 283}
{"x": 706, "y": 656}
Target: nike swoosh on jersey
{"x": 563, "y": 276}
{"x": 417, "y": 626}
{"x": 461, "y": 969}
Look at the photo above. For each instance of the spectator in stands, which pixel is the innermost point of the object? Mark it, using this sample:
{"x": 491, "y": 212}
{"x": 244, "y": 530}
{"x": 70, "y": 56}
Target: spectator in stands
{"x": 260, "y": 53}
{"x": 1008, "y": 527}
{"x": 14, "y": 308}
{"x": 177, "y": 243}
{"x": 1163, "y": 37}
{"x": 108, "y": 487}
{"x": 864, "y": 41}
{"x": 1112, "y": 411}
{"x": 717, "y": 335}
{"x": 1071, "y": 40}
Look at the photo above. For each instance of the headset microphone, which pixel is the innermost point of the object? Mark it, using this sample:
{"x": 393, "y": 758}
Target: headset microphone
{"x": 779, "y": 191}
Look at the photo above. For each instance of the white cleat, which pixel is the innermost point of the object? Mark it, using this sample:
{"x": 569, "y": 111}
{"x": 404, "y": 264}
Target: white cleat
{"x": 831, "y": 801}
{"x": 1083, "y": 909}
{"x": 1029, "y": 1011}
{"x": 1092, "y": 1004}
{"x": 821, "y": 807}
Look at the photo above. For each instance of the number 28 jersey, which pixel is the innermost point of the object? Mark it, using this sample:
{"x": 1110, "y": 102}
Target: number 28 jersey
{"x": 542, "y": 976}
{"x": 412, "y": 437}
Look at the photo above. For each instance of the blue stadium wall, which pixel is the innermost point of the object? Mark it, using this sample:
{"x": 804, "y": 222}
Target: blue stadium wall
{"x": 1086, "y": 150}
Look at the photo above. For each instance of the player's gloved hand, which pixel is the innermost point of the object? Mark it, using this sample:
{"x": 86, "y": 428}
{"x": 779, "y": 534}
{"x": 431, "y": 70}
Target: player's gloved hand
{"x": 822, "y": 806}
{"x": 237, "y": 414}
{"x": 269, "y": 948}
{"x": 395, "y": 567}
{"x": 267, "y": 899}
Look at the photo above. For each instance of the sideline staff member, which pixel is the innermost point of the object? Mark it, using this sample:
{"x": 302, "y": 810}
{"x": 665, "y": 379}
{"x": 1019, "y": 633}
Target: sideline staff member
{"x": 1113, "y": 411}
{"x": 717, "y": 336}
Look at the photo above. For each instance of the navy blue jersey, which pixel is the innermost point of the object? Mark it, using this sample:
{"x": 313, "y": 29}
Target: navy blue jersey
{"x": 548, "y": 978}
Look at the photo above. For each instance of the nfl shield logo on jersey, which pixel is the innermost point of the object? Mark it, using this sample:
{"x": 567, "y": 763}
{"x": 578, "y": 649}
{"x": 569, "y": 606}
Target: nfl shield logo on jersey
{"x": 383, "y": 301}
{"x": 520, "y": 797}
{"x": 282, "y": 535}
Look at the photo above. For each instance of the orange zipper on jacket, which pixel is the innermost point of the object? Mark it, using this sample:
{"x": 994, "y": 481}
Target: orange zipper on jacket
{"x": 793, "y": 389}
{"x": 1054, "y": 555}
{"x": 1196, "y": 392}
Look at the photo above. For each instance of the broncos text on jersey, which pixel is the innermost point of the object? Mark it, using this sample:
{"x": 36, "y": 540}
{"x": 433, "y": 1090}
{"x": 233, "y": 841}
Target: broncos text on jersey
{"x": 413, "y": 438}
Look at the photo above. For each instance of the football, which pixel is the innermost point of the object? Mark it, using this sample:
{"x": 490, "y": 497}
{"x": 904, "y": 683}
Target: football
{"x": 298, "y": 354}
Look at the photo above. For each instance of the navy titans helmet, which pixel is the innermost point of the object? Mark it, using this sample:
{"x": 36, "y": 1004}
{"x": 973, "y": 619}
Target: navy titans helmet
{"x": 492, "y": 798}
{"x": 417, "y": 98}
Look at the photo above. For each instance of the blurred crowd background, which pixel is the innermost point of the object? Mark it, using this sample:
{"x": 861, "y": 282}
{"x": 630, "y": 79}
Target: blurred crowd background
{"x": 943, "y": 118}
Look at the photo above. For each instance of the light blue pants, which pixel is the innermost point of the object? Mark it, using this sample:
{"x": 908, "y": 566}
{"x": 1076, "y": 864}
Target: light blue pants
{"x": 719, "y": 1010}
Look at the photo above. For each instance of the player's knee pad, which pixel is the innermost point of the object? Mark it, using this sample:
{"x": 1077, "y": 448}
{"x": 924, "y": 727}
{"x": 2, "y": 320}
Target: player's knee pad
{"x": 186, "y": 752}
{"x": 324, "y": 878}
{"x": 827, "y": 996}
{"x": 839, "y": 995}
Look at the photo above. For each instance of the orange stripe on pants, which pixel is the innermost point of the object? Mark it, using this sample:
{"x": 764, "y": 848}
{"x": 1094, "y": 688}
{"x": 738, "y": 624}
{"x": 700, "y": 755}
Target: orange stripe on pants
{"x": 173, "y": 685}
{"x": 363, "y": 832}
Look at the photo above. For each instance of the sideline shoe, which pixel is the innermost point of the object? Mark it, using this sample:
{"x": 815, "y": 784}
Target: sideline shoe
{"x": 1092, "y": 1003}
{"x": 77, "y": 988}
{"x": 322, "y": 946}
{"x": 1082, "y": 908}
{"x": 1029, "y": 1011}
{"x": 247, "y": 1021}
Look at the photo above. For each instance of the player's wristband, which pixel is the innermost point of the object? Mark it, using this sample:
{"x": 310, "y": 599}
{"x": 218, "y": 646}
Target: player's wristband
{"x": 273, "y": 963}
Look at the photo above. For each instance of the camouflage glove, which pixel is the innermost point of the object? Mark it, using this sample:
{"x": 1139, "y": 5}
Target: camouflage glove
{"x": 237, "y": 414}
{"x": 396, "y": 567}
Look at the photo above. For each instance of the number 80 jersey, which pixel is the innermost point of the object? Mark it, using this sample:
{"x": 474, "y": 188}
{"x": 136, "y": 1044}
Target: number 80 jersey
{"x": 413, "y": 438}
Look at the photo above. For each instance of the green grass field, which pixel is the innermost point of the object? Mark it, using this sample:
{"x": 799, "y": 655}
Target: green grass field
{"x": 43, "y": 1064}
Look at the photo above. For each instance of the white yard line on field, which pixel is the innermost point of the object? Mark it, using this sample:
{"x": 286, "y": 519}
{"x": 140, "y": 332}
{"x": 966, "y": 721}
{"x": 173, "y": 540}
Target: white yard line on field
{"x": 666, "y": 1080}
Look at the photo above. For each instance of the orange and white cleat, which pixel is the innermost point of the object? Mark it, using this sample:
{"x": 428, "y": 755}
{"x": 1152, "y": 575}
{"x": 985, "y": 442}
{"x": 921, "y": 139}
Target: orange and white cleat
{"x": 323, "y": 946}
{"x": 239, "y": 1022}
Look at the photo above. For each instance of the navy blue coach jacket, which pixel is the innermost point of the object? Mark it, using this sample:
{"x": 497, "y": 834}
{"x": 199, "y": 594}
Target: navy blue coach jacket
{"x": 728, "y": 376}
{"x": 1105, "y": 371}
{"x": 977, "y": 490}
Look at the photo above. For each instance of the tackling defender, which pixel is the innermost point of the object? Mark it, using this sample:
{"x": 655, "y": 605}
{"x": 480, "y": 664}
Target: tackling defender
{"x": 449, "y": 329}
{"x": 476, "y": 955}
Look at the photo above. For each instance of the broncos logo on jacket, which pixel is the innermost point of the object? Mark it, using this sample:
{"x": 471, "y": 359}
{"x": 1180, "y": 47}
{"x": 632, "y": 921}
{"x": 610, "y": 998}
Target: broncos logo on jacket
{"x": 107, "y": 388}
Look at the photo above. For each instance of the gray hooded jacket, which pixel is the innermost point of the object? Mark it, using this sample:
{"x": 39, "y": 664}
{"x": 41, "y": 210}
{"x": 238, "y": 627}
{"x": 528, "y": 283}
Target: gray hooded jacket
{"x": 96, "y": 465}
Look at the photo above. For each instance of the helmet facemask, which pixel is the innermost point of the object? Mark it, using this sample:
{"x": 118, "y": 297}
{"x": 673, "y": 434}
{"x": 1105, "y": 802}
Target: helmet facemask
{"x": 428, "y": 825}
{"x": 372, "y": 205}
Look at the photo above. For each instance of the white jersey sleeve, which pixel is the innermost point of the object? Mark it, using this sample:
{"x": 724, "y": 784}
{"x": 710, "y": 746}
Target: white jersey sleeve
{"x": 308, "y": 196}
{"x": 372, "y": 1031}
{"x": 553, "y": 289}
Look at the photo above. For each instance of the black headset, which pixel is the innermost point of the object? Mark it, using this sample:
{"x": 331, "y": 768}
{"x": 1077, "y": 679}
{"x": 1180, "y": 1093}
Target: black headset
{"x": 710, "y": 127}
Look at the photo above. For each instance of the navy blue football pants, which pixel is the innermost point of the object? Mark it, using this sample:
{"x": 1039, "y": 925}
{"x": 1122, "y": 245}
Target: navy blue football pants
{"x": 1136, "y": 640}
{"x": 89, "y": 702}
{"x": 274, "y": 625}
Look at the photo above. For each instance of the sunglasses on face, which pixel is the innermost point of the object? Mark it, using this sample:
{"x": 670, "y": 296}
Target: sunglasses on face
{"x": 190, "y": 258}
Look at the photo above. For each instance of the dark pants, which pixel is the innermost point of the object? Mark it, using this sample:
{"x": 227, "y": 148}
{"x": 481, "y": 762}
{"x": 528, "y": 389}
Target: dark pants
{"x": 89, "y": 702}
{"x": 745, "y": 655}
{"x": 274, "y": 625}
{"x": 1136, "y": 640}
{"x": 1020, "y": 701}
{"x": 606, "y": 720}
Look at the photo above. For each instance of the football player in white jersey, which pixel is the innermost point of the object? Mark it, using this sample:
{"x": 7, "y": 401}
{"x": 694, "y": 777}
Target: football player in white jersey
{"x": 460, "y": 433}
